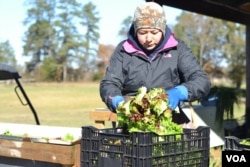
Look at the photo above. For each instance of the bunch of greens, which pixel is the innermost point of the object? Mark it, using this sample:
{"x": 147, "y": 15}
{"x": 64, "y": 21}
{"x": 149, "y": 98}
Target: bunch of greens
{"x": 148, "y": 112}
{"x": 7, "y": 133}
{"x": 68, "y": 137}
{"x": 245, "y": 142}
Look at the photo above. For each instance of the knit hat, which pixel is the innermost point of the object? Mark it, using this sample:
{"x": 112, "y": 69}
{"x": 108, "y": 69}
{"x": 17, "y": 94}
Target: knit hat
{"x": 150, "y": 15}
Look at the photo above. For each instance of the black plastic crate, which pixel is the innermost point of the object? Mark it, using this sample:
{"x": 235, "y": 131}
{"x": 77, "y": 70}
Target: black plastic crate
{"x": 115, "y": 147}
{"x": 233, "y": 143}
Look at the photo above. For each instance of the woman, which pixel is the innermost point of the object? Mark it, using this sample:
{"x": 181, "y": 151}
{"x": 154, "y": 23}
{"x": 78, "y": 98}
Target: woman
{"x": 152, "y": 57}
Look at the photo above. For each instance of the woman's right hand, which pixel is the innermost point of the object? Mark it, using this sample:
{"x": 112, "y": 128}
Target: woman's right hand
{"x": 116, "y": 100}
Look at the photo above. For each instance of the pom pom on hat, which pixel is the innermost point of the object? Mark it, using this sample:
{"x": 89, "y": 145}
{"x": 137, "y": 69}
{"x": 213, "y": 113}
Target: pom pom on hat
{"x": 149, "y": 15}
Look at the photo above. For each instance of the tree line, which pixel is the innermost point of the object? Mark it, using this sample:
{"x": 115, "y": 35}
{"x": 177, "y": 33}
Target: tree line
{"x": 62, "y": 42}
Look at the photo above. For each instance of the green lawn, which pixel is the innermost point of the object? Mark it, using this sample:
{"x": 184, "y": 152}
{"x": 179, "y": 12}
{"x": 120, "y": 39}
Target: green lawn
{"x": 57, "y": 104}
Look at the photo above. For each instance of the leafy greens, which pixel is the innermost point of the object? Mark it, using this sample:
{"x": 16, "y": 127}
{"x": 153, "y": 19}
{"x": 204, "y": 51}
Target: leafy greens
{"x": 148, "y": 111}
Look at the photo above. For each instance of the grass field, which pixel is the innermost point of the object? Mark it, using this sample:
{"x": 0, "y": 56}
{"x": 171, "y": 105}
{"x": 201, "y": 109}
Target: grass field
{"x": 56, "y": 104}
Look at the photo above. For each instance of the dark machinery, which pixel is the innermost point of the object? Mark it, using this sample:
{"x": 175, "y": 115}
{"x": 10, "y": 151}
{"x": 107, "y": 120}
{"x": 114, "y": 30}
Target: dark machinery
{"x": 8, "y": 72}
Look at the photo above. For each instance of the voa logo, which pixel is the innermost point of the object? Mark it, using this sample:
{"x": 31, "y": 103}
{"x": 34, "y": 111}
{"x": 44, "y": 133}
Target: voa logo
{"x": 236, "y": 158}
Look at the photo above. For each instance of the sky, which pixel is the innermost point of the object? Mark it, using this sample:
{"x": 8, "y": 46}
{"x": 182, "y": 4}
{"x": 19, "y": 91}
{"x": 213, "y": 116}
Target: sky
{"x": 111, "y": 13}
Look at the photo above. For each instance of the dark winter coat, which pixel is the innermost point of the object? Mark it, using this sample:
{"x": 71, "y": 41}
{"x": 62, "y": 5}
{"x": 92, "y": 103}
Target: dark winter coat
{"x": 170, "y": 64}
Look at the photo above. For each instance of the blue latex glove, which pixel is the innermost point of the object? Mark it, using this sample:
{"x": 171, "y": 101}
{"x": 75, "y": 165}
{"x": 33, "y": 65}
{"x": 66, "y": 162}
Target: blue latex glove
{"x": 116, "y": 100}
{"x": 177, "y": 94}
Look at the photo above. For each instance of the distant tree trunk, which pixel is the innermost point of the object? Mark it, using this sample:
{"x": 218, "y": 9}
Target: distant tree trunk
{"x": 247, "y": 116}
{"x": 64, "y": 72}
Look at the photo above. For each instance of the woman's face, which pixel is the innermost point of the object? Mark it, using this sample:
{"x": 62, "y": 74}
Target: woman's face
{"x": 149, "y": 38}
